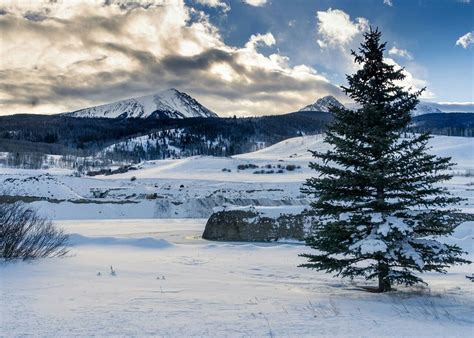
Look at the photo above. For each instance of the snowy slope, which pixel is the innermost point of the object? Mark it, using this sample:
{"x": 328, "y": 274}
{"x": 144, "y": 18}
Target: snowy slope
{"x": 46, "y": 186}
{"x": 293, "y": 148}
{"x": 459, "y": 148}
{"x": 146, "y": 142}
{"x": 426, "y": 108}
{"x": 323, "y": 104}
{"x": 291, "y": 151}
{"x": 170, "y": 143}
{"x": 169, "y": 103}
{"x": 193, "y": 186}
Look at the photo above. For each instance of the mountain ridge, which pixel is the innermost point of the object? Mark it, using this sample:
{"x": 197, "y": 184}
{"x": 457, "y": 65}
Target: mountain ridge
{"x": 324, "y": 103}
{"x": 169, "y": 103}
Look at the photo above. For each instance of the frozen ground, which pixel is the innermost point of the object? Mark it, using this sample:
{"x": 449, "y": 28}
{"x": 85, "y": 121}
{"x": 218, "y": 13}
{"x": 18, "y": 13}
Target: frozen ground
{"x": 192, "y": 187}
{"x": 169, "y": 282}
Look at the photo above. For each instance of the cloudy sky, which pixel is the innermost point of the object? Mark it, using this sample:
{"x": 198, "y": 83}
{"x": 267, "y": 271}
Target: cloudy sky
{"x": 244, "y": 57}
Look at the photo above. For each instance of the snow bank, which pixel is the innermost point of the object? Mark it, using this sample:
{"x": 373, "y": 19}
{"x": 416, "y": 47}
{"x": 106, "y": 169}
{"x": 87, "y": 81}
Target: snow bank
{"x": 463, "y": 236}
{"x": 146, "y": 243}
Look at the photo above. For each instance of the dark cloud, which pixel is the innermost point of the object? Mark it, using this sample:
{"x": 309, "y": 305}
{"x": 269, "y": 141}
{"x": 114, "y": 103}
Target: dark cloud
{"x": 203, "y": 61}
{"x": 126, "y": 5}
{"x": 33, "y": 101}
{"x": 35, "y": 16}
{"x": 144, "y": 57}
{"x": 94, "y": 62}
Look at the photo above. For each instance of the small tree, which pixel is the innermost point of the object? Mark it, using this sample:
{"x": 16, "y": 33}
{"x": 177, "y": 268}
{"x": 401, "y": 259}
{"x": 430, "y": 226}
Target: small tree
{"x": 378, "y": 207}
{"x": 26, "y": 235}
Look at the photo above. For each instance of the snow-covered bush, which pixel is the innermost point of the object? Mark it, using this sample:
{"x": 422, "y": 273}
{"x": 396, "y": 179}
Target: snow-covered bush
{"x": 247, "y": 166}
{"x": 24, "y": 234}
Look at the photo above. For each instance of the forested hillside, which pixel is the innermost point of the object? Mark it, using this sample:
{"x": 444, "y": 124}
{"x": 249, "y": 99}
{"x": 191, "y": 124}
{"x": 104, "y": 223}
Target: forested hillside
{"x": 139, "y": 139}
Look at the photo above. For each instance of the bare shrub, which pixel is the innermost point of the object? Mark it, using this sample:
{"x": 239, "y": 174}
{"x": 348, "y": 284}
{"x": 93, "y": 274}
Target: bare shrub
{"x": 26, "y": 235}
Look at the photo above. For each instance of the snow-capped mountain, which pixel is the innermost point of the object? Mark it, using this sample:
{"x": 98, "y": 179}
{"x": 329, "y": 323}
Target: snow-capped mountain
{"x": 426, "y": 108}
{"x": 323, "y": 104}
{"x": 170, "y": 103}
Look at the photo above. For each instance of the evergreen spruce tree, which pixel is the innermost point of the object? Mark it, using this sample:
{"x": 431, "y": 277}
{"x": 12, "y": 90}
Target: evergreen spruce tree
{"x": 378, "y": 206}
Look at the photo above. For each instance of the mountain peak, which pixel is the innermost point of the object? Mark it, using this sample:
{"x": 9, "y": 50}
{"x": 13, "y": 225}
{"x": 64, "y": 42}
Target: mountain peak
{"x": 425, "y": 108}
{"x": 323, "y": 104}
{"x": 170, "y": 90}
{"x": 169, "y": 103}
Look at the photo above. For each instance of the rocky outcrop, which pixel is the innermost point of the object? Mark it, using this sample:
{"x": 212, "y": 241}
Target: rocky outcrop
{"x": 254, "y": 226}
{"x": 204, "y": 207}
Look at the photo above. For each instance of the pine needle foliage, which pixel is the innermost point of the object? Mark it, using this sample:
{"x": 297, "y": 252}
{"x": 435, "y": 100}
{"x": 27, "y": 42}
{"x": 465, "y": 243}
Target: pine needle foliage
{"x": 378, "y": 204}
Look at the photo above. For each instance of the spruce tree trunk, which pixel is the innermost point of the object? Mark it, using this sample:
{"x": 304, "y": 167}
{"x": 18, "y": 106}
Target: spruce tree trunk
{"x": 384, "y": 282}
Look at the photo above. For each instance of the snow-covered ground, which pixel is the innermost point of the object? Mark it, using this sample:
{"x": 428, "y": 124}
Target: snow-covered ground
{"x": 192, "y": 187}
{"x": 169, "y": 282}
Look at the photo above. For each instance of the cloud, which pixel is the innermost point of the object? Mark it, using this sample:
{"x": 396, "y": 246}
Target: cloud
{"x": 336, "y": 29}
{"x": 267, "y": 39}
{"x": 388, "y": 2}
{"x": 225, "y": 7}
{"x": 400, "y": 52}
{"x": 256, "y": 3}
{"x": 460, "y": 107}
{"x": 338, "y": 34}
{"x": 40, "y": 10}
{"x": 410, "y": 82}
{"x": 465, "y": 40}
{"x": 64, "y": 56}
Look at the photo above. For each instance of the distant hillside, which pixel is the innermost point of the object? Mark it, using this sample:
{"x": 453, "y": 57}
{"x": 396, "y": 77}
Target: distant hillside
{"x": 451, "y": 124}
{"x": 62, "y": 134}
{"x": 138, "y": 138}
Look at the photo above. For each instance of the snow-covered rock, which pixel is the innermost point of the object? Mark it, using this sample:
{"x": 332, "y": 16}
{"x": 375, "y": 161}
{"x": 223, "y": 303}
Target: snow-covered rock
{"x": 169, "y": 103}
{"x": 323, "y": 104}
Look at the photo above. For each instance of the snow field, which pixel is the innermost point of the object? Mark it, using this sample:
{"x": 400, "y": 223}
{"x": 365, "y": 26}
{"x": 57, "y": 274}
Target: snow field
{"x": 169, "y": 282}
